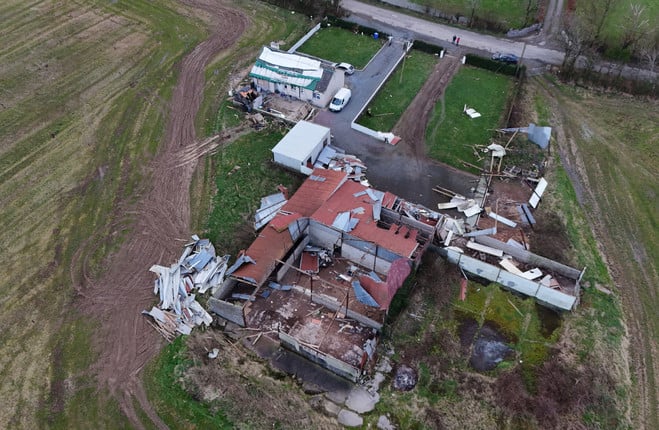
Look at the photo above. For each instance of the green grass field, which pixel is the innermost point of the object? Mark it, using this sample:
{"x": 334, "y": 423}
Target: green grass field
{"x": 451, "y": 135}
{"x": 83, "y": 87}
{"x": 398, "y": 92}
{"x": 340, "y": 45}
{"x": 507, "y": 13}
{"x": 612, "y": 153}
{"x": 239, "y": 191}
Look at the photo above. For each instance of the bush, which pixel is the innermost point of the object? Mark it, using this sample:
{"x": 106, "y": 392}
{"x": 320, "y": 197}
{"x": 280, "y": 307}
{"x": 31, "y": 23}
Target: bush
{"x": 427, "y": 47}
{"x": 494, "y": 66}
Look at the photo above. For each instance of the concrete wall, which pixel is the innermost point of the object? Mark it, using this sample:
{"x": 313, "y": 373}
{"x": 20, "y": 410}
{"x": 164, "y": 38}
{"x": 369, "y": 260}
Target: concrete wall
{"x": 327, "y": 361}
{"x": 298, "y": 228}
{"x": 337, "y": 82}
{"x": 323, "y": 236}
{"x": 334, "y": 305}
{"x": 291, "y": 259}
{"x": 304, "y": 39}
{"x": 530, "y": 258}
{"x": 367, "y": 254}
{"x": 552, "y": 298}
{"x": 228, "y": 311}
{"x": 289, "y": 162}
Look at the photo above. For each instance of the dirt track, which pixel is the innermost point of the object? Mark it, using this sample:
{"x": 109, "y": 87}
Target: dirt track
{"x": 411, "y": 126}
{"x": 162, "y": 223}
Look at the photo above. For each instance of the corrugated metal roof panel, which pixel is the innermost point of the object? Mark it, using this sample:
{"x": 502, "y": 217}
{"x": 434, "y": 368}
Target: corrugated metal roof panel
{"x": 312, "y": 194}
{"x": 271, "y": 245}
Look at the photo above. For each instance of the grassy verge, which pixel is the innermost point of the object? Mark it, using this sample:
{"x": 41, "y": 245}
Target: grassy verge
{"x": 609, "y": 152}
{"x": 174, "y": 405}
{"x": 216, "y": 113}
{"x": 244, "y": 174}
{"x": 451, "y": 135}
{"x": 398, "y": 92}
{"x": 505, "y": 13}
{"x": 340, "y": 45}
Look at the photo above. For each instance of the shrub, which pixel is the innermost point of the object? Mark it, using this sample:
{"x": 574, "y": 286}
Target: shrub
{"x": 494, "y": 66}
{"x": 426, "y": 47}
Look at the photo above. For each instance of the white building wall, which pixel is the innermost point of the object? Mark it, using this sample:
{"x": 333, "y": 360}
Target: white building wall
{"x": 289, "y": 162}
{"x": 324, "y": 236}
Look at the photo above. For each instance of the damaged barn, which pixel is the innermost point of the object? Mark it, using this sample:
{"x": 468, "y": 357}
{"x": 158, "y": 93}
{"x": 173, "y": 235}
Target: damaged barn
{"x": 321, "y": 275}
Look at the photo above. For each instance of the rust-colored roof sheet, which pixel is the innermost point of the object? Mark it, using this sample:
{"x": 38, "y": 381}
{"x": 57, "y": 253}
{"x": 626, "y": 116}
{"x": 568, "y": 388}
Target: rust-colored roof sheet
{"x": 281, "y": 221}
{"x": 343, "y": 200}
{"x": 388, "y": 200}
{"x": 271, "y": 245}
{"x": 313, "y": 193}
{"x": 384, "y": 292}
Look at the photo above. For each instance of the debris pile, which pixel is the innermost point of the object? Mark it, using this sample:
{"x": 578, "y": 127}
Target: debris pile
{"x": 350, "y": 164}
{"x": 197, "y": 269}
{"x": 270, "y": 206}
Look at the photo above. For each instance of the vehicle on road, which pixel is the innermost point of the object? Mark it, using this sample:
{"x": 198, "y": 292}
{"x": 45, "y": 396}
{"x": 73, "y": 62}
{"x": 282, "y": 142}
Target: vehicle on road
{"x": 505, "y": 58}
{"x": 347, "y": 67}
{"x": 341, "y": 99}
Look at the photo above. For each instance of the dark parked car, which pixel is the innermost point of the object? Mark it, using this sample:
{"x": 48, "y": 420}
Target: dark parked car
{"x": 506, "y": 58}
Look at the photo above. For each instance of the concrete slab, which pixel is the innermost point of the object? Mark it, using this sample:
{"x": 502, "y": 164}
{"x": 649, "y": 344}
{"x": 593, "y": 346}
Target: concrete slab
{"x": 361, "y": 401}
{"x": 350, "y": 419}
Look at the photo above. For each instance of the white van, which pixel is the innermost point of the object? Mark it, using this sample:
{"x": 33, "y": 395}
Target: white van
{"x": 341, "y": 99}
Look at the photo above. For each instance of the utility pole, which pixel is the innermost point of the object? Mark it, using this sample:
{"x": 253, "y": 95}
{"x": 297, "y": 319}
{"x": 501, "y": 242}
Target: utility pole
{"x": 517, "y": 85}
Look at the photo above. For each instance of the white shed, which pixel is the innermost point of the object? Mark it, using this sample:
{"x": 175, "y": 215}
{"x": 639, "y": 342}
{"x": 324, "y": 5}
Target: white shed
{"x": 299, "y": 149}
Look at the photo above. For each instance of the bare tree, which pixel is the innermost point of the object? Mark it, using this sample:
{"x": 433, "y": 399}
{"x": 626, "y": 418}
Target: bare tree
{"x": 635, "y": 27}
{"x": 473, "y": 5}
{"x": 576, "y": 38}
{"x": 531, "y": 7}
{"x": 596, "y": 13}
{"x": 649, "y": 45}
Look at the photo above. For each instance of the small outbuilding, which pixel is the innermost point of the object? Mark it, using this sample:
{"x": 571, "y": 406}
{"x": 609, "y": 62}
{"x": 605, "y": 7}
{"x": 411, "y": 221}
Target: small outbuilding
{"x": 299, "y": 149}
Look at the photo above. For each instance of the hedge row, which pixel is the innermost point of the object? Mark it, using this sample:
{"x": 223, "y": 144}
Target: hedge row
{"x": 338, "y": 22}
{"x": 494, "y": 66}
{"x": 427, "y": 47}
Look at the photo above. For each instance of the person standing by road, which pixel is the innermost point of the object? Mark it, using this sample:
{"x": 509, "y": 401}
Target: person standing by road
{"x": 457, "y": 41}
{"x": 454, "y": 37}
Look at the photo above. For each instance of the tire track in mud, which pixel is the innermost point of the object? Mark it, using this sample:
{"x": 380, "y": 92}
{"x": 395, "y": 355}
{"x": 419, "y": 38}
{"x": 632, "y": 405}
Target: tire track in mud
{"x": 162, "y": 223}
{"x": 411, "y": 126}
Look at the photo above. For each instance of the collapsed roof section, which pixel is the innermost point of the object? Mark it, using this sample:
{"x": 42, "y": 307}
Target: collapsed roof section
{"x": 356, "y": 204}
{"x": 276, "y": 240}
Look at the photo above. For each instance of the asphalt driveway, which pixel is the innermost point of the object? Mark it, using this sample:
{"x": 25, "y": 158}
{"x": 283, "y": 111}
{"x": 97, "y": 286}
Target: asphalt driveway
{"x": 390, "y": 168}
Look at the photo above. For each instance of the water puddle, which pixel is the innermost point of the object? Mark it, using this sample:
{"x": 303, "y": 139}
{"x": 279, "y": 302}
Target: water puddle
{"x": 488, "y": 346}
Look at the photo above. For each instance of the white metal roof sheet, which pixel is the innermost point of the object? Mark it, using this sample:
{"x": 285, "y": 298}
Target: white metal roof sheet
{"x": 290, "y": 61}
{"x": 273, "y": 75}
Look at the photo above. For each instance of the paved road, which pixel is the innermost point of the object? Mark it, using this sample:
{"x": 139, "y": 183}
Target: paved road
{"x": 390, "y": 168}
{"x": 403, "y": 25}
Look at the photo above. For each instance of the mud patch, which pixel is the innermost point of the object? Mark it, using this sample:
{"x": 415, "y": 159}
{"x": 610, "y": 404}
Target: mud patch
{"x": 549, "y": 320}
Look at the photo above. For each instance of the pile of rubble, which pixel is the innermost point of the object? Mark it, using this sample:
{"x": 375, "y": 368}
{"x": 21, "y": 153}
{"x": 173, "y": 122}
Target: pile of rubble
{"x": 332, "y": 158}
{"x": 198, "y": 269}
